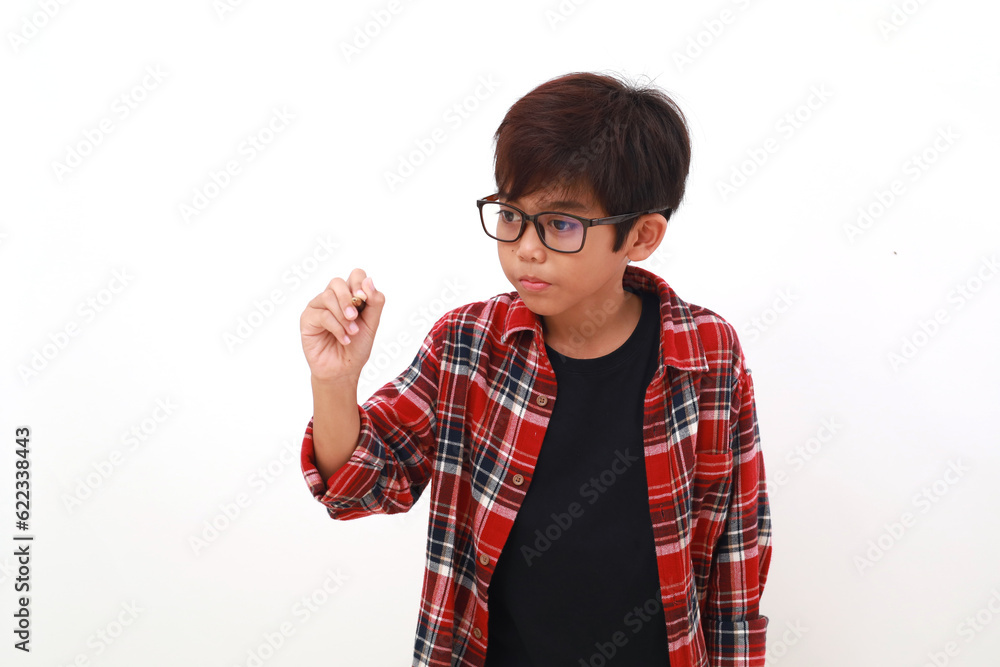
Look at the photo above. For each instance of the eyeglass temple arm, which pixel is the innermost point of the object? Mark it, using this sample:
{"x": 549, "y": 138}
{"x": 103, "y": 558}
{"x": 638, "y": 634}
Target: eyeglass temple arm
{"x": 618, "y": 218}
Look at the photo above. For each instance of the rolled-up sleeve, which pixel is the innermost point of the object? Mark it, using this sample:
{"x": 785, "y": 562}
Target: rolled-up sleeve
{"x": 735, "y": 631}
{"x": 394, "y": 457}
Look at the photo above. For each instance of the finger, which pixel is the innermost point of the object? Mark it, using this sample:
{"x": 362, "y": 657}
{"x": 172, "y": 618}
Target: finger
{"x": 317, "y": 320}
{"x": 356, "y": 281}
{"x": 374, "y": 302}
{"x": 366, "y": 290}
{"x": 333, "y": 287}
{"x": 336, "y": 299}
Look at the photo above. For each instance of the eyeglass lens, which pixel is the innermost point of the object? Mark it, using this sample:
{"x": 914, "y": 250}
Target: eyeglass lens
{"x": 559, "y": 232}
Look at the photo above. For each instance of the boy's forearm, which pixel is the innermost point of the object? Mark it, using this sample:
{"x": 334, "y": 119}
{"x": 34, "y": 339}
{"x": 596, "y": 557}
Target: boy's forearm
{"x": 336, "y": 424}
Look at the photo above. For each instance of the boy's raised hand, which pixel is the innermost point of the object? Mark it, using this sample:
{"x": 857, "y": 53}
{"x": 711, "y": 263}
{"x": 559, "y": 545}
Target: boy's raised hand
{"x": 326, "y": 321}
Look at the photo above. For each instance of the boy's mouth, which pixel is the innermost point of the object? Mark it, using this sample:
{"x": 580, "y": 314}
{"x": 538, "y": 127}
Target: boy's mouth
{"x": 533, "y": 284}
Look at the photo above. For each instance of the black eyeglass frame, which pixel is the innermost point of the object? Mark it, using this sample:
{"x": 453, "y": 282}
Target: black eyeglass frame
{"x": 525, "y": 218}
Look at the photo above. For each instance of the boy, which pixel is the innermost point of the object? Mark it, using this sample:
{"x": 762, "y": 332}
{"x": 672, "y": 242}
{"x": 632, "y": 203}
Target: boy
{"x": 590, "y": 440}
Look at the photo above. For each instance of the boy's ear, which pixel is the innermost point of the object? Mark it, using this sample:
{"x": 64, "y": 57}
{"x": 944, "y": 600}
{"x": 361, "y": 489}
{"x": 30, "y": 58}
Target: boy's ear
{"x": 646, "y": 236}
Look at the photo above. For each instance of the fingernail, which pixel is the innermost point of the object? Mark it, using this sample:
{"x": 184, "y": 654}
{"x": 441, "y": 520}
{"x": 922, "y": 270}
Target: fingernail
{"x": 353, "y": 328}
{"x": 350, "y": 311}
{"x": 346, "y": 340}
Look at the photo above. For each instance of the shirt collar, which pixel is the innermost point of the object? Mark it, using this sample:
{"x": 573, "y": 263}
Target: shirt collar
{"x": 680, "y": 344}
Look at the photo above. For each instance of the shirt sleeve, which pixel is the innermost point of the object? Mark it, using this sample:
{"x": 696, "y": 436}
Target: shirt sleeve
{"x": 734, "y": 629}
{"x": 394, "y": 458}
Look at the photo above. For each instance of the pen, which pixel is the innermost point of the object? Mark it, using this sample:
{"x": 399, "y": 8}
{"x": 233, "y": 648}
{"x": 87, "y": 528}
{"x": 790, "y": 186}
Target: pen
{"x": 358, "y": 303}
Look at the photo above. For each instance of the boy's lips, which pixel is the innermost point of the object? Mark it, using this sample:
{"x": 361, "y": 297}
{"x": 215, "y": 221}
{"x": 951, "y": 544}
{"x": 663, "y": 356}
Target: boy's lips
{"x": 532, "y": 283}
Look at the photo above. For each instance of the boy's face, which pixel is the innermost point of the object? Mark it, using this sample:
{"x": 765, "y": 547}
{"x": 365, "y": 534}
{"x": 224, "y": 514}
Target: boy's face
{"x": 577, "y": 283}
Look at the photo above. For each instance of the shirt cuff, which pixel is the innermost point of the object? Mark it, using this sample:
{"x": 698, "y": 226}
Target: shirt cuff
{"x": 346, "y": 482}
{"x": 736, "y": 643}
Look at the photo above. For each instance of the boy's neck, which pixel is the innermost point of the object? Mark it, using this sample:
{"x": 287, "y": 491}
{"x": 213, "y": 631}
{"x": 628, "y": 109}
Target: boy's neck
{"x": 585, "y": 339}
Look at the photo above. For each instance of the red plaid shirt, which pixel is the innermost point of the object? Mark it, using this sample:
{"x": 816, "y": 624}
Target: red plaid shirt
{"x": 468, "y": 416}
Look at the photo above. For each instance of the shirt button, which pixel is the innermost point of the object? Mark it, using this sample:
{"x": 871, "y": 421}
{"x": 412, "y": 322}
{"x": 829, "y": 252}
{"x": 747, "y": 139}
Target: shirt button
{"x": 484, "y": 559}
{"x": 518, "y": 479}
{"x": 478, "y": 633}
{"x": 542, "y": 400}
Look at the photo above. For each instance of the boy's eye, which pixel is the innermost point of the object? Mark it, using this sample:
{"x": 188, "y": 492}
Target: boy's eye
{"x": 563, "y": 225}
{"x": 508, "y": 216}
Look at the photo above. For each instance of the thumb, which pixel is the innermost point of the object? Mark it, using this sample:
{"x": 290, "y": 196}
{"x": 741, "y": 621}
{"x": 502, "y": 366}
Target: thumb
{"x": 371, "y": 311}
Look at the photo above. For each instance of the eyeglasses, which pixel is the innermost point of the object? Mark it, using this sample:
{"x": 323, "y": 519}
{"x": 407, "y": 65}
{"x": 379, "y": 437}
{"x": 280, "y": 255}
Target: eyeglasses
{"x": 561, "y": 232}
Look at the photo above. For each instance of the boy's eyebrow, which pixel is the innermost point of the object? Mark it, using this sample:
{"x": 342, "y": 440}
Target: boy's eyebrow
{"x": 567, "y": 205}
{"x": 558, "y": 205}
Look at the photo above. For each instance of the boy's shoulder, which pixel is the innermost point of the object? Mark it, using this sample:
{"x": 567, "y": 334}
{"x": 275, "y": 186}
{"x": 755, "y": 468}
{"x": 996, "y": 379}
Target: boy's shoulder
{"x": 495, "y": 315}
{"x": 702, "y": 338}
{"x": 693, "y": 336}
{"x": 719, "y": 339}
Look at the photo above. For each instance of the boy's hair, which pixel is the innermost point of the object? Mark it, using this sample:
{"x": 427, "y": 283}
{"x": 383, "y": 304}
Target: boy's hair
{"x": 629, "y": 143}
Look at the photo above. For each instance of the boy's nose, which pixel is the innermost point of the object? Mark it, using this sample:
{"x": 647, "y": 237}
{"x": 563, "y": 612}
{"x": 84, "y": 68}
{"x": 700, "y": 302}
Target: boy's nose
{"x": 529, "y": 239}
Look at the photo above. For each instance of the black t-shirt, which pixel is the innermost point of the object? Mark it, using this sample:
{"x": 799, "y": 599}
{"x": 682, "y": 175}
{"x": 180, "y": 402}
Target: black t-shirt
{"x": 577, "y": 576}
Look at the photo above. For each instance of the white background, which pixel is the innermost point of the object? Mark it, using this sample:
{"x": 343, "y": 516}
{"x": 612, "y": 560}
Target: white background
{"x": 865, "y": 571}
